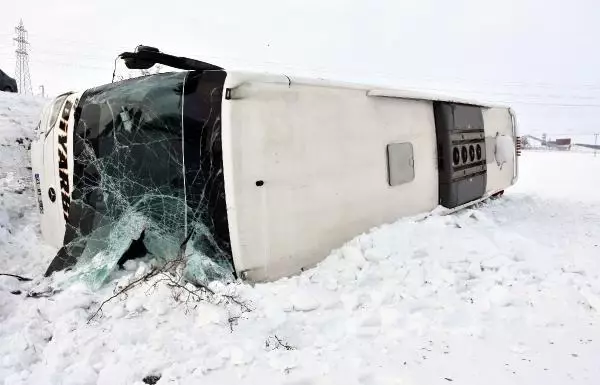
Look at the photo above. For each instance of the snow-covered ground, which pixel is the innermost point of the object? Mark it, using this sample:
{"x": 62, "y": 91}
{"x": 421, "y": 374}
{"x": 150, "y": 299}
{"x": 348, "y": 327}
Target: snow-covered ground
{"x": 505, "y": 293}
{"x": 19, "y": 246}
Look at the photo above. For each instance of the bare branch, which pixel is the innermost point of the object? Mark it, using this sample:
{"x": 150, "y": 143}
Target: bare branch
{"x": 171, "y": 274}
{"x": 124, "y": 290}
{"x": 279, "y": 343}
{"x": 42, "y": 294}
{"x": 233, "y": 320}
{"x": 22, "y": 279}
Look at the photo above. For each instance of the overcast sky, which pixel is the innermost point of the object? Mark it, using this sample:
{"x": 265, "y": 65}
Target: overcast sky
{"x": 541, "y": 56}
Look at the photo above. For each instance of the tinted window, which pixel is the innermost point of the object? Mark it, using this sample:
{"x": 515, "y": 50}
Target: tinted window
{"x": 134, "y": 128}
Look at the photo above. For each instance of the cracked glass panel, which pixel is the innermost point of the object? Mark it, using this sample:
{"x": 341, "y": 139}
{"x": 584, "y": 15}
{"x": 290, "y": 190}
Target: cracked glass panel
{"x": 147, "y": 174}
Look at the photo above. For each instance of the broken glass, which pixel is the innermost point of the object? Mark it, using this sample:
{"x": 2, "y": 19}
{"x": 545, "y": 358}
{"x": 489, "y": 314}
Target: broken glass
{"x": 148, "y": 168}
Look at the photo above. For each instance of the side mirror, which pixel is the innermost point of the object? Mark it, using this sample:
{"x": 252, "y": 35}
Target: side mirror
{"x": 137, "y": 61}
{"x": 144, "y": 57}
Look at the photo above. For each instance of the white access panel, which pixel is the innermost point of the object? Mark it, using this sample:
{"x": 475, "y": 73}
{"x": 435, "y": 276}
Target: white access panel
{"x": 498, "y": 124}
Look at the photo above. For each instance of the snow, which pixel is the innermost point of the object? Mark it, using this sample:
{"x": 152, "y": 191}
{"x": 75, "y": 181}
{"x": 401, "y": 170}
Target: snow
{"x": 506, "y": 292}
{"x": 18, "y": 214}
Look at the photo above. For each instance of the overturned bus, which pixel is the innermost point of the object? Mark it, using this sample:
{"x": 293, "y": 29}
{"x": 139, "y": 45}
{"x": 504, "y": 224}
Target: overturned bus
{"x": 261, "y": 174}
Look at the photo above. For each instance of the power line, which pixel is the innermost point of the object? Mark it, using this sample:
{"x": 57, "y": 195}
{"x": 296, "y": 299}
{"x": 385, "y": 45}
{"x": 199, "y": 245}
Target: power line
{"x": 73, "y": 64}
{"x": 100, "y": 56}
{"x": 508, "y": 84}
{"x": 22, "y": 65}
{"x": 515, "y": 101}
{"x": 545, "y": 104}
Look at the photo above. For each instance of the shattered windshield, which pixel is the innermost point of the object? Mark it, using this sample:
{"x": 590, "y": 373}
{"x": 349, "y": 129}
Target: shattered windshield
{"x": 148, "y": 172}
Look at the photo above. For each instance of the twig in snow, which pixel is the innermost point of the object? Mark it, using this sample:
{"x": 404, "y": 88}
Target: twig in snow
{"x": 124, "y": 290}
{"x": 151, "y": 379}
{"x": 232, "y": 322}
{"x": 280, "y": 343}
{"x": 42, "y": 316}
{"x": 18, "y": 277}
{"x": 42, "y": 294}
{"x": 201, "y": 291}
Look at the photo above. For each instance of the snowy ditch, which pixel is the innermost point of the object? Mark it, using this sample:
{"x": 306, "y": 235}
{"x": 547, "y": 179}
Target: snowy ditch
{"x": 508, "y": 292}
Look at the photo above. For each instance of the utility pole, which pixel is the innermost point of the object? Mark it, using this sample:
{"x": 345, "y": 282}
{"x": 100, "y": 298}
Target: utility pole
{"x": 22, "y": 66}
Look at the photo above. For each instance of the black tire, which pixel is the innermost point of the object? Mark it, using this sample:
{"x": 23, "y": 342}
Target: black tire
{"x": 7, "y": 89}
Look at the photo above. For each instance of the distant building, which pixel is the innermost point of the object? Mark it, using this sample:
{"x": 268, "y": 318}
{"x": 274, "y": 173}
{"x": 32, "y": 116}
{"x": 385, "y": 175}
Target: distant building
{"x": 561, "y": 144}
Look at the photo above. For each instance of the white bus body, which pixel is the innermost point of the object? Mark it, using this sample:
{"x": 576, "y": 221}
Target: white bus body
{"x": 307, "y": 165}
